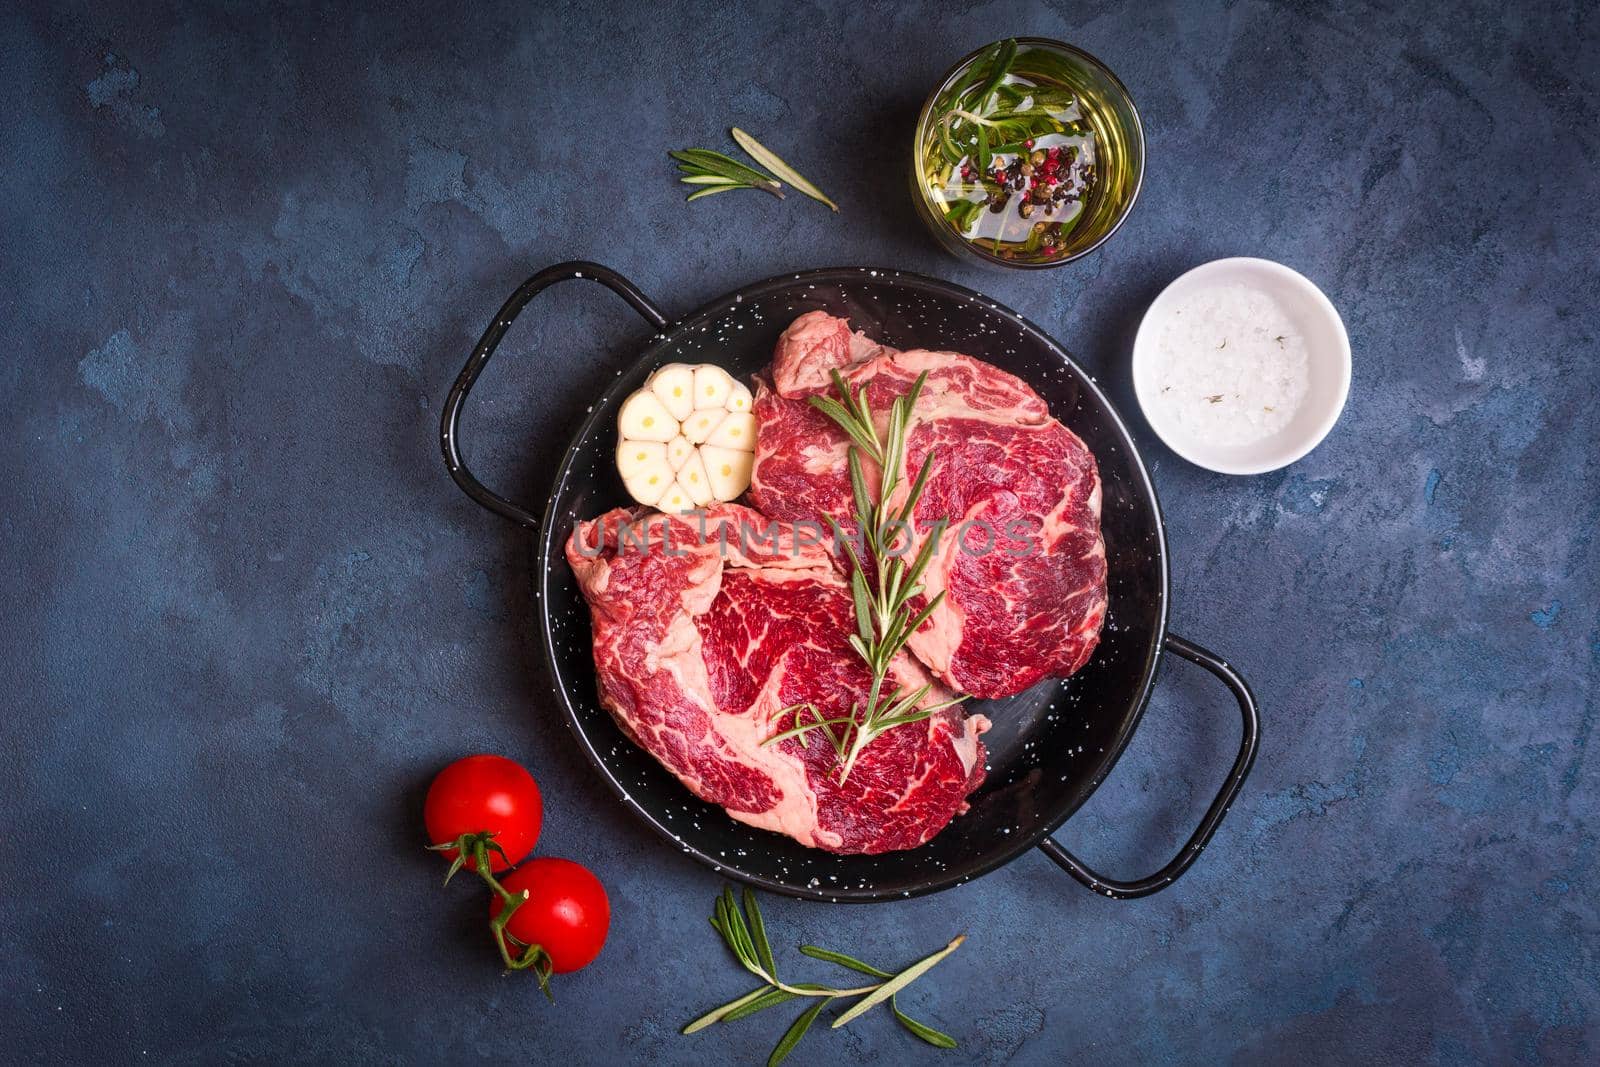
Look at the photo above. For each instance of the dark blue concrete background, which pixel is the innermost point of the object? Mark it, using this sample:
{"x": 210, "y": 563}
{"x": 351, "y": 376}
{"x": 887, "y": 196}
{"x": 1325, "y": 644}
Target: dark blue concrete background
{"x": 246, "y": 615}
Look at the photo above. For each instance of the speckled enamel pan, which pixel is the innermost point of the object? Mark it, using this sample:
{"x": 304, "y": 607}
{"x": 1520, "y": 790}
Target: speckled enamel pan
{"x": 1050, "y": 746}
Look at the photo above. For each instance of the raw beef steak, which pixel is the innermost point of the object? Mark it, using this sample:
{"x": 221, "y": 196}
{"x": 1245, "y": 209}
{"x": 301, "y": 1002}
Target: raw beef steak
{"x": 702, "y": 636}
{"x": 1024, "y": 567}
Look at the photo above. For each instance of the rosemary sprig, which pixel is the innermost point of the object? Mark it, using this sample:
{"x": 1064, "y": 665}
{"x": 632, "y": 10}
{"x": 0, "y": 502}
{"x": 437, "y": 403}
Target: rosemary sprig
{"x": 718, "y": 173}
{"x": 885, "y": 620}
{"x": 746, "y": 935}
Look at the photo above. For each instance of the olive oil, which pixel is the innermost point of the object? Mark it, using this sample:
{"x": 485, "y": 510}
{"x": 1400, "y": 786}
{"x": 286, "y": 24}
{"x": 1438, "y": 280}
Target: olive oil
{"x": 1030, "y": 153}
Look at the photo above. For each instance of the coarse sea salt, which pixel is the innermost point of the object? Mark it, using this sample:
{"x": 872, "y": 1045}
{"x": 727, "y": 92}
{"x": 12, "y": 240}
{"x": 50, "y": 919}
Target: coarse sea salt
{"x": 1229, "y": 365}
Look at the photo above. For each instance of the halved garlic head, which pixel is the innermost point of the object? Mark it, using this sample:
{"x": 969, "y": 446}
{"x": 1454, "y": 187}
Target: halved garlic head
{"x": 686, "y": 438}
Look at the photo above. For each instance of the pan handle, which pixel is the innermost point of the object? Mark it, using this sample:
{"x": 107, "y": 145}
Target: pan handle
{"x": 450, "y": 421}
{"x": 1143, "y": 887}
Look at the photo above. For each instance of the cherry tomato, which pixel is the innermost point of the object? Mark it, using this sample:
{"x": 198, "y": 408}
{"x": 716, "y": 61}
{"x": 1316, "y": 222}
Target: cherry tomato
{"x": 567, "y": 913}
{"x": 481, "y": 793}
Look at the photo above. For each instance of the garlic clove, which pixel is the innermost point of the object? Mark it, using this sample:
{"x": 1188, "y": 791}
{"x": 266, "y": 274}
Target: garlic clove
{"x": 673, "y": 385}
{"x": 644, "y": 418}
{"x": 728, "y": 470}
{"x": 712, "y": 386}
{"x": 634, "y": 456}
{"x": 736, "y": 430}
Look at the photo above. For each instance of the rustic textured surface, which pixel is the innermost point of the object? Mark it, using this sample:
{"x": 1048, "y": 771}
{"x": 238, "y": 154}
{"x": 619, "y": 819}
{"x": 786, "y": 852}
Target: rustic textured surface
{"x": 246, "y": 615}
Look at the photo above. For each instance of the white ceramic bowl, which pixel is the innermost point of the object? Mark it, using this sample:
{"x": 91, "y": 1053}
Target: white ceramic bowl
{"x": 1327, "y": 352}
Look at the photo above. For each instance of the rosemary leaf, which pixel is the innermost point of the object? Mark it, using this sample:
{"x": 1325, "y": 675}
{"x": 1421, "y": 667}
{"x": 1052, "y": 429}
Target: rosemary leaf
{"x": 915, "y": 392}
{"x": 792, "y": 1037}
{"x": 719, "y": 920}
{"x": 917, "y": 487}
{"x": 725, "y": 924}
{"x": 858, "y": 489}
{"x": 733, "y": 919}
{"x": 848, "y": 542}
{"x": 858, "y": 593}
{"x": 952, "y": 153}
{"x": 842, "y": 960}
{"x": 864, "y": 408}
{"x": 1005, "y": 55}
{"x": 937, "y": 1038}
{"x": 894, "y": 452}
{"x": 758, "y": 934}
{"x": 713, "y": 190}
{"x": 897, "y": 983}
{"x": 923, "y": 615}
{"x": 716, "y": 1014}
{"x": 924, "y": 557}
{"x": 767, "y": 158}
{"x": 846, "y": 421}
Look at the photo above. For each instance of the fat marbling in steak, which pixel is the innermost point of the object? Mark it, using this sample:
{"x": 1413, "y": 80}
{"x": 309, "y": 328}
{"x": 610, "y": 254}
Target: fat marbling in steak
{"x": 703, "y": 635}
{"x": 1025, "y": 578}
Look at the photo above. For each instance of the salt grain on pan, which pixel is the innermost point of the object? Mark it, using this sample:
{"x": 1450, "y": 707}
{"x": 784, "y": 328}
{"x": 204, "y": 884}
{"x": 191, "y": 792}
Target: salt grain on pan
{"x": 1230, "y": 366}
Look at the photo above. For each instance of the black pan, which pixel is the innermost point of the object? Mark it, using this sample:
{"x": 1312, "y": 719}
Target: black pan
{"x": 1050, "y": 746}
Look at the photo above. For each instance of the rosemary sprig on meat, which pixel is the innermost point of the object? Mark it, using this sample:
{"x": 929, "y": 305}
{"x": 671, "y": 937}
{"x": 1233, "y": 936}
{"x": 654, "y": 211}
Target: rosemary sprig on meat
{"x": 885, "y": 619}
{"x": 746, "y": 935}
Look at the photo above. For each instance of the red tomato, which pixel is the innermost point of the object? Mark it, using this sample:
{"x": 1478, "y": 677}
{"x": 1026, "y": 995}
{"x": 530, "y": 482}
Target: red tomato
{"x": 567, "y": 913}
{"x": 481, "y": 793}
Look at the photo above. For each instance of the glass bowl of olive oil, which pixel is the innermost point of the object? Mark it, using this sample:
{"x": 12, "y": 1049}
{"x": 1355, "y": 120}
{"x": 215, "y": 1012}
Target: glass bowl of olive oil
{"x": 1029, "y": 154}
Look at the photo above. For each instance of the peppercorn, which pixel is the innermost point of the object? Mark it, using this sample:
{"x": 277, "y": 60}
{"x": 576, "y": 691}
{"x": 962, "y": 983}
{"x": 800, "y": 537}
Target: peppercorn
{"x": 1027, "y": 170}
{"x": 1026, "y": 210}
{"x": 1038, "y": 157}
